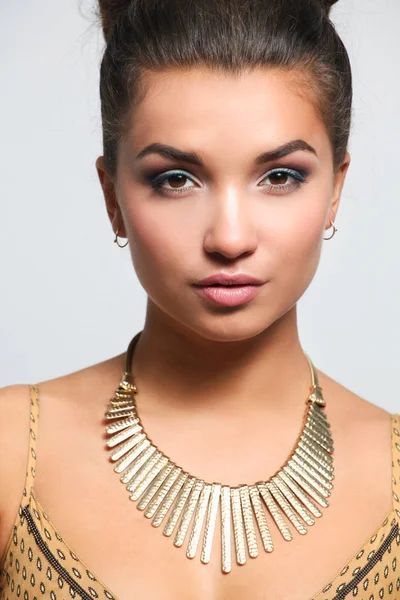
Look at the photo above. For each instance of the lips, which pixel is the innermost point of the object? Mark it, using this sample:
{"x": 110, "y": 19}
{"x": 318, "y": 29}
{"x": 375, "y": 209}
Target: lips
{"x": 228, "y": 289}
{"x": 227, "y": 279}
{"x": 228, "y": 295}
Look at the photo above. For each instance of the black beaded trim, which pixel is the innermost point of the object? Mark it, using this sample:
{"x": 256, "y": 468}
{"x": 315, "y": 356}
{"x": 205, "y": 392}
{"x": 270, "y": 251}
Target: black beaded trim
{"x": 51, "y": 558}
{"x": 368, "y": 566}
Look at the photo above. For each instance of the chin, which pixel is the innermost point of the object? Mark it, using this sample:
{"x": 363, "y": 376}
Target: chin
{"x": 228, "y": 327}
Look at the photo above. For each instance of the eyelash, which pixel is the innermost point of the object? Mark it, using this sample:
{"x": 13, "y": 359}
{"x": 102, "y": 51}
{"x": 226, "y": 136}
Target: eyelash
{"x": 299, "y": 177}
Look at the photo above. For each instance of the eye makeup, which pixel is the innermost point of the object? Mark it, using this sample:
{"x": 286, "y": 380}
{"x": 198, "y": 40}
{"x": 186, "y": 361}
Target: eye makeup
{"x": 286, "y": 179}
{"x": 298, "y": 177}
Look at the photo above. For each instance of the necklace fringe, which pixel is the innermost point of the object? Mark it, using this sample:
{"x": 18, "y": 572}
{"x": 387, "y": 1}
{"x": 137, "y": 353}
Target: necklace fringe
{"x": 158, "y": 485}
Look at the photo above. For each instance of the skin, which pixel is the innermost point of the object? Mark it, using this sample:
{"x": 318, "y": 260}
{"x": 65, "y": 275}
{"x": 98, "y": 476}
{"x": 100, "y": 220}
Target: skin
{"x": 205, "y": 372}
{"x": 245, "y": 356}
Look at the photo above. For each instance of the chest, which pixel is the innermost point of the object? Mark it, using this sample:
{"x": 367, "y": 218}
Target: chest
{"x": 121, "y": 549}
{"x": 91, "y": 512}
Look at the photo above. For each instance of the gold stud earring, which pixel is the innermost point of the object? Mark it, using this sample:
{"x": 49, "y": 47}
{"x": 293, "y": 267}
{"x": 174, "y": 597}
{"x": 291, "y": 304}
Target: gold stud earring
{"x": 117, "y": 242}
{"x": 333, "y": 233}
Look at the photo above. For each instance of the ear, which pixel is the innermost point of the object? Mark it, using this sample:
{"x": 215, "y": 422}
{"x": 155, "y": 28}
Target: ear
{"x": 339, "y": 180}
{"x": 113, "y": 210}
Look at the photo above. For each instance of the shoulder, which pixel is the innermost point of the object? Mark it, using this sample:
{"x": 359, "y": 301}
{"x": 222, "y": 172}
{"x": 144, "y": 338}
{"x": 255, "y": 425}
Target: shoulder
{"x": 364, "y": 448}
{"x": 356, "y": 418}
{"x": 83, "y": 388}
{"x": 362, "y": 433}
{"x": 349, "y": 407}
{"x": 69, "y": 399}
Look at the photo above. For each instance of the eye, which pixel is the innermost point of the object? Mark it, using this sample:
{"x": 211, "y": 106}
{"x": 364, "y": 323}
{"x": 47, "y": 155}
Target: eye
{"x": 283, "y": 180}
{"x": 175, "y": 181}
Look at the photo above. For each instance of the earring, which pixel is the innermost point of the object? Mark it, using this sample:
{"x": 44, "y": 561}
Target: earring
{"x": 333, "y": 233}
{"x": 117, "y": 242}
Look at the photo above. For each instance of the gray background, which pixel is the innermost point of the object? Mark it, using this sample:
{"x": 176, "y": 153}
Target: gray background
{"x": 70, "y": 297}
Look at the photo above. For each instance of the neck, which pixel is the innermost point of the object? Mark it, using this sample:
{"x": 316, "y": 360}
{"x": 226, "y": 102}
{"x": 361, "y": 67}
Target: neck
{"x": 181, "y": 370}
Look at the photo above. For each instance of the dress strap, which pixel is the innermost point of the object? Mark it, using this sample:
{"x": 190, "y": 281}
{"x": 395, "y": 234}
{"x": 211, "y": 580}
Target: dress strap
{"x": 33, "y": 429}
{"x": 396, "y": 462}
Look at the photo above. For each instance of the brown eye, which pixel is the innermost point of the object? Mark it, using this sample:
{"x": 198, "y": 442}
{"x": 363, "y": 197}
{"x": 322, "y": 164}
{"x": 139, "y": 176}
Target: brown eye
{"x": 278, "y": 178}
{"x": 177, "y": 180}
{"x": 283, "y": 180}
{"x": 171, "y": 182}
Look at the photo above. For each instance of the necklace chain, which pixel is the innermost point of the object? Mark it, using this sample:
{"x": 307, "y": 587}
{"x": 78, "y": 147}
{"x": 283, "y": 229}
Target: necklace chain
{"x": 189, "y": 506}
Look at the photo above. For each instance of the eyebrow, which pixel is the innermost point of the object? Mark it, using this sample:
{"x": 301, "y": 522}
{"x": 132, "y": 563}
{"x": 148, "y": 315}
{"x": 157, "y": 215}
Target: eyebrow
{"x": 194, "y": 159}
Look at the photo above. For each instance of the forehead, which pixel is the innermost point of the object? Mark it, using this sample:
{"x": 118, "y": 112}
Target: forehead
{"x": 198, "y": 106}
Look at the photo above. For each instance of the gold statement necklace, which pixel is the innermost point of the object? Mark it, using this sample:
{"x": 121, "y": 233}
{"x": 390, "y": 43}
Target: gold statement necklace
{"x": 160, "y": 486}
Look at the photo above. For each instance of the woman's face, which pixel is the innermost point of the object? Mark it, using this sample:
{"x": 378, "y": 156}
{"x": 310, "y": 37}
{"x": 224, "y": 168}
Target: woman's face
{"x": 254, "y": 197}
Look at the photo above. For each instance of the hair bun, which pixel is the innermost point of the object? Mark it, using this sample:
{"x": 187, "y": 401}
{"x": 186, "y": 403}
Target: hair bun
{"x": 327, "y": 5}
{"x": 109, "y": 13}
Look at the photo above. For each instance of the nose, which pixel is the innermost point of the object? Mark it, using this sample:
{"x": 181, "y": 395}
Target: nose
{"x": 232, "y": 231}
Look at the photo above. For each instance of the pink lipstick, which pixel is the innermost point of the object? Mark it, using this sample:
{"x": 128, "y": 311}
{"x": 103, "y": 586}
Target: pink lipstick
{"x": 224, "y": 289}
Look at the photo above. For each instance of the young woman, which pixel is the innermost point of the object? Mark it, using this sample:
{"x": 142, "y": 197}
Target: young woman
{"x": 226, "y": 128}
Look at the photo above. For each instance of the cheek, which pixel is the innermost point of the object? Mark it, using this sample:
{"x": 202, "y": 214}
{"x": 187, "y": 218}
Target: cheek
{"x": 298, "y": 245}
{"x": 160, "y": 242}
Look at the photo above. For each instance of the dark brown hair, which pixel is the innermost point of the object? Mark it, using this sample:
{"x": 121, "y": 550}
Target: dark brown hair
{"x": 232, "y": 35}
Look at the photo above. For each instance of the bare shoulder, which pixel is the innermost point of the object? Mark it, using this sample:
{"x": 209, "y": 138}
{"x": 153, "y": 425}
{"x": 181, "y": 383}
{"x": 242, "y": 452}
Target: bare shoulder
{"x": 352, "y": 407}
{"x": 71, "y": 406}
{"x": 67, "y": 403}
{"x": 83, "y": 387}
{"x": 363, "y": 431}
